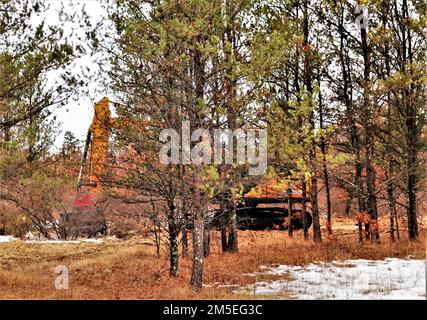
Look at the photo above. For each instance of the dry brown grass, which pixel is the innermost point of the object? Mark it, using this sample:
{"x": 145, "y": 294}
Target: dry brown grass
{"x": 130, "y": 269}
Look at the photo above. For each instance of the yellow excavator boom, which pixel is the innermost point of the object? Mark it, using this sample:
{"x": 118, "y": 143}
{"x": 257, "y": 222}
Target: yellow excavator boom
{"x": 97, "y": 137}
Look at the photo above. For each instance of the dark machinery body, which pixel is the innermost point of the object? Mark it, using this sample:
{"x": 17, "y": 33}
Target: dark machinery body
{"x": 252, "y": 217}
{"x": 83, "y": 224}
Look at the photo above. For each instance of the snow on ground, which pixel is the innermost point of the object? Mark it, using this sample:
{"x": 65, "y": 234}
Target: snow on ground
{"x": 92, "y": 240}
{"x": 350, "y": 279}
{"x": 7, "y": 238}
{"x": 66, "y": 241}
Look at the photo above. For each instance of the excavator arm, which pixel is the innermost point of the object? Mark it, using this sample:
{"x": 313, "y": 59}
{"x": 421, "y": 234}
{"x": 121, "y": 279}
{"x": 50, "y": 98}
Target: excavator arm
{"x": 97, "y": 142}
{"x": 83, "y": 164}
{"x": 86, "y": 219}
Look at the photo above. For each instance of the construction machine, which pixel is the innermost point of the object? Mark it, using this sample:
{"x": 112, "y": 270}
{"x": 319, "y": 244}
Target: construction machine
{"x": 267, "y": 206}
{"x": 86, "y": 219}
{"x": 264, "y": 206}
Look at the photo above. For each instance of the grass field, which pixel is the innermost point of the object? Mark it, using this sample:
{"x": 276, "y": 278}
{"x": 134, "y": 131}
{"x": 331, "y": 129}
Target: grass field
{"x": 130, "y": 269}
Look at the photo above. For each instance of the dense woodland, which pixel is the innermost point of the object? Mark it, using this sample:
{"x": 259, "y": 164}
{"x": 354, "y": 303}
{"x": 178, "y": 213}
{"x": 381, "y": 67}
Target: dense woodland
{"x": 340, "y": 87}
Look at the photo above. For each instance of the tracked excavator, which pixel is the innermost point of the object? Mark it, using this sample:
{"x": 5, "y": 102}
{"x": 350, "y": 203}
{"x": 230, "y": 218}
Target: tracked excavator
{"x": 86, "y": 219}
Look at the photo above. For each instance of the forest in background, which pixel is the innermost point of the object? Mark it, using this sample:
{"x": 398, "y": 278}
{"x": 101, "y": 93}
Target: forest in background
{"x": 340, "y": 97}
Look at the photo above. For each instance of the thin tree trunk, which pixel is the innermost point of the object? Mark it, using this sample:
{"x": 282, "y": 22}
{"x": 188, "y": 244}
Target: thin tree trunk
{"x": 389, "y": 136}
{"x": 349, "y": 201}
{"x": 206, "y": 243}
{"x": 231, "y": 94}
{"x": 411, "y": 169}
{"x": 224, "y": 241}
{"x": 359, "y": 226}
{"x": 411, "y": 125}
{"x": 317, "y": 236}
{"x": 197, "y": 268}
{"x": 157, "y": 228}
{"x": 351, "y": 120}
{"x": 324, "y": 164}
{"x": 184, "y": 241}
{"x": 328, "y": 194}
{"x": 224, "y": 218}
{"x": 397, "y": 225}
{"x": 358, "y": 174}
{"x": 367, "y": 227}
{"x": 232, "y": 240}
{"x": 290, "y": 213}
{"x": 391, "y": 206}
{"x": 360, "y": 198}
{"x": 369, "y": 136}
{"x": 411, "y": 187}
{"x": 304, "y": 207}
{"x": 173, "y": 248}
{"x": 196, "y": 280}
{"x": 158, "y": 235}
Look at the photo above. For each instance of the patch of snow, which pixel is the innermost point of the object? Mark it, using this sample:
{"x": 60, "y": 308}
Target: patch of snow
{"x": 52, "y": 241}
{"x": 250, "y": 274}
{"x": 227, "y": 286}
{"x": 65, "y": 241}
{"x": 112, "y": 238}
{"x": 391, "y": 278}
{"x": 30, "y": 236}
{"x": 92, "y": 240}
{"x": 7, "y": 238}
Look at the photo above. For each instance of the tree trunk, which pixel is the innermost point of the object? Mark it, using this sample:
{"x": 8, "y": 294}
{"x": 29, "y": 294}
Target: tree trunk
{"x": 411, "y": 129}
{"x": 360, "y": 198}
{"x": 397, "y": 225}
{"x": 389, "y": 135}
{"x": 367, "y": 224}
{"x": 173, "y": 248}
{"x": 327, "y": 189}
{"x": 232, "y": 240}
{"x": 196, "y": 280}
{"x": 157, "y": 229}
{"x": 368, "y": 122}
{"x": 231, "y": 97}
{"x": 198, "y": 231}
{"x": 197, "y": 268}
{"x": 206, "y": 243}
{"x": 359, "y": 226}
{"x": 411, "y": 169}
{"x": 411, "y": 187}
{"x": 349, "y": 201}
{"x": 224, "y": 241}
{"x": 304, "y": 208}
{"x": 391, "y": 206}
{"x": 358, "y": 185}
{"x": 324, "y": 164}
{"x": 223, "y": 225}
{"x": 158, "y": 234}
{"x": 351, "y": 115}
{"x": 184, "y": 241}
{"x": 290, "y": 212}
{"x": 317, "y": 236}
